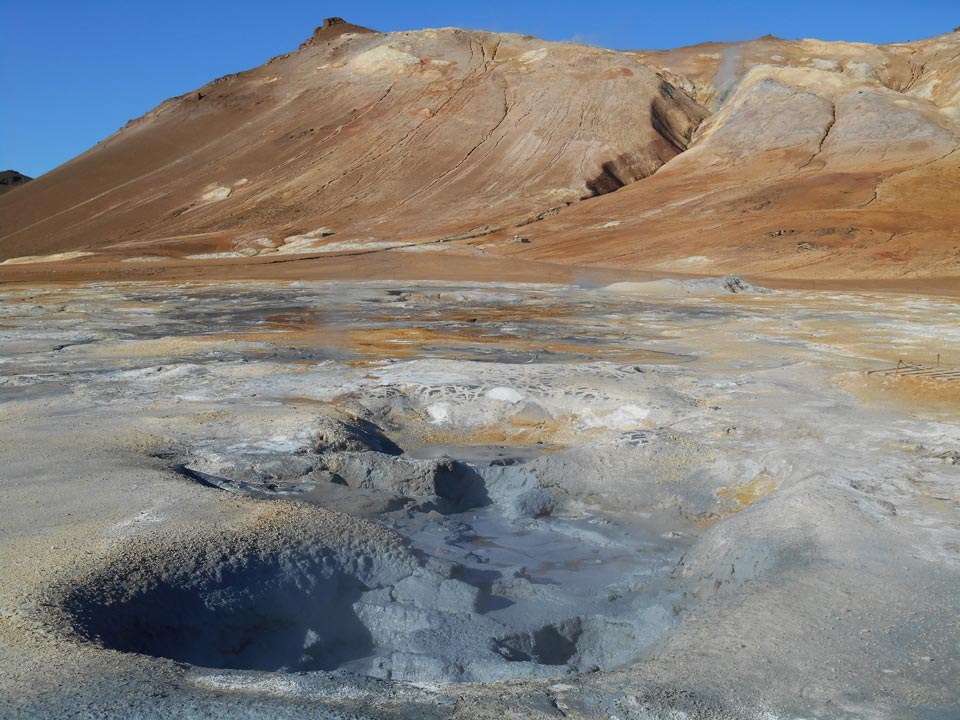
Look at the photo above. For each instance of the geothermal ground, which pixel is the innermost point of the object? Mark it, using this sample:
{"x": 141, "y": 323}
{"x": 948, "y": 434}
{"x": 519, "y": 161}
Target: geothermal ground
{"x": 670, "y": 499}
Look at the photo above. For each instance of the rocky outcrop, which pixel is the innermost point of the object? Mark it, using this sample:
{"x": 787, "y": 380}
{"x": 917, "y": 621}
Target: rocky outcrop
{"x": 10, "y": 179}
{"x": 332, "y": 28}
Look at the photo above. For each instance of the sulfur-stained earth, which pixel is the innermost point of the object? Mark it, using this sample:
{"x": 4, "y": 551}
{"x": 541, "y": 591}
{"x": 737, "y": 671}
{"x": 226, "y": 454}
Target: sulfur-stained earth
{"x": 392, "y": 499}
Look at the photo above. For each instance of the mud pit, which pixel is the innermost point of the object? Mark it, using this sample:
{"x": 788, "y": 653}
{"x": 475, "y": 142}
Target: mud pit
{"x": 502, "y": 591}
{"x": 633, "y": 501}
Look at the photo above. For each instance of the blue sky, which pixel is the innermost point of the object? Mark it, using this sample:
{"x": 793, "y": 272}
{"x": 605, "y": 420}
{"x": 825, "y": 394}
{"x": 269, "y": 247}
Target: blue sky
{"x": 73, "y": 71}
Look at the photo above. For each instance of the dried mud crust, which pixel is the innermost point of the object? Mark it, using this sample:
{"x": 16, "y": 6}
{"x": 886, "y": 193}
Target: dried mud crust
{"x": 239, "y": 596}
{"x": 493, "y": 579}
{"x": 776, "y": 504}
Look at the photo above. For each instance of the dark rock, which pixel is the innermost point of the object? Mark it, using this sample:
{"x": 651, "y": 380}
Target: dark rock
{"x": 11, "y": 179}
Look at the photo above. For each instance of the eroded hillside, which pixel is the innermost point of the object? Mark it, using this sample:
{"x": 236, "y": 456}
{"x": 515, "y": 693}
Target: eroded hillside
{"x": 407, "y": 136}
{"x": 771, "y": 157}
{"x": 820, "y": 159}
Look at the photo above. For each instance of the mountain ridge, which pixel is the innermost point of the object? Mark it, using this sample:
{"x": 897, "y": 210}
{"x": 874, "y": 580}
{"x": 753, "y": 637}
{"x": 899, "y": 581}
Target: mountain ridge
{"x": 774, "y": 157}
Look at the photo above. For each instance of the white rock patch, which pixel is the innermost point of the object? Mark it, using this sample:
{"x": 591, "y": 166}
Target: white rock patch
{"x": 628, "y": 417}
{"x": 504, "y": 394}
{"x": 28, "y": 259}
{"x": 384, "y": 59}
{"x": 439, "y": 413}
{"x": 821, "y": 64}
{"x": 217, "y": 256}
{"x": 217, "y": 193}
{"x": 533, "y": 56}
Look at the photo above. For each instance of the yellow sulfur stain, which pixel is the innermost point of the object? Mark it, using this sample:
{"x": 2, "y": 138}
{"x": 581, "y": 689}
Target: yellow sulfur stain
{"x": 744, "y": 495}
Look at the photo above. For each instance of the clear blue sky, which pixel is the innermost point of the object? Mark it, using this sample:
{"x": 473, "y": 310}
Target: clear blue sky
{"x": 73, "y": 71}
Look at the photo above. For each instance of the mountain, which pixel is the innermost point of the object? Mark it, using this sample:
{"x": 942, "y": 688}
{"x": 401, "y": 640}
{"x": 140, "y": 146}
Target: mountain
{"x": 773, "y": 157}
{"x": 10, "y": 179}
{"x": 818, "y": 160}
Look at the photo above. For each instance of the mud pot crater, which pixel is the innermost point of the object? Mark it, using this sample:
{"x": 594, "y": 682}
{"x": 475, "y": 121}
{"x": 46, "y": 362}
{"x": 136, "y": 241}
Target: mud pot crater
{"x": 488, "y": 574}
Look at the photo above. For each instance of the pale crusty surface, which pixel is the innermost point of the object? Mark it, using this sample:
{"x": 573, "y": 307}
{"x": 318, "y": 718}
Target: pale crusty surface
{"x": 820, "y": 501}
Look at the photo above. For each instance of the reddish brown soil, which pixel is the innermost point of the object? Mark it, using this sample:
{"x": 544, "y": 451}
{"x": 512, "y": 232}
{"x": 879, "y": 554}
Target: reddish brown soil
{"x": 793, "y": 162}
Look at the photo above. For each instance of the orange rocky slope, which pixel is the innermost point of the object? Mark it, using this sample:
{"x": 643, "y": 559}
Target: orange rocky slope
{"x": 820, "y": 160}
{"x": 376, "y": 138}
{"x": 777, "y": 158}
